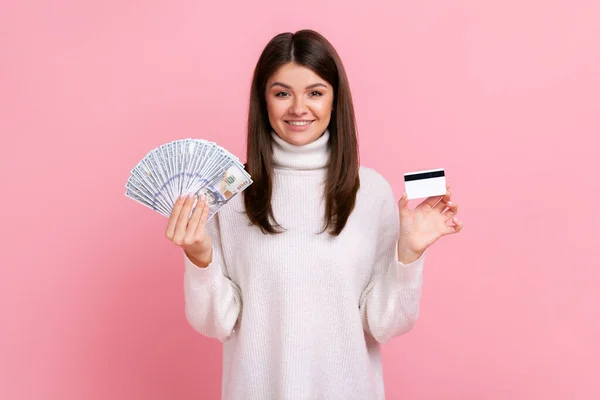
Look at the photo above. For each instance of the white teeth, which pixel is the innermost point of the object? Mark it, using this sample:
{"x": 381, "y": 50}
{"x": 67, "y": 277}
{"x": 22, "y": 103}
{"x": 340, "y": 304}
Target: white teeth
{"x": 299, "y": 123}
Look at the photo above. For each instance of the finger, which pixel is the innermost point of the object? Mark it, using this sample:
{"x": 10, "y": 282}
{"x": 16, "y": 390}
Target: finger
{"x": 170, "y": 231}
{"x": 430, "y": 201}
{"x": 183, "y": 219}
{"x": 202, "y": 225}
{"x": 194, "y": 220}
{"x": 444, "y": 201}
{"x": 457, "y": 227}
{"x": 451, "y": 211}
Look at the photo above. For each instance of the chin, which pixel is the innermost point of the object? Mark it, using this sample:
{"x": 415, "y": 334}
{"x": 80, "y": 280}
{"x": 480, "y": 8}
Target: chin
{"x": 301, "y": 138}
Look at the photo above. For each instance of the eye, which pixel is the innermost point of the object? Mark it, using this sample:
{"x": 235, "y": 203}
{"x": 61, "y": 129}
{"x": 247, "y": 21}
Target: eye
{"x": 316, "y": 93}
{"x": 281, "y": 93}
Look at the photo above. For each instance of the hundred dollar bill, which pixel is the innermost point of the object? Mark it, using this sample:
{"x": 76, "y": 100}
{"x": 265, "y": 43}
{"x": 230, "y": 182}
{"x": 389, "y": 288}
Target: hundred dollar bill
{"x": 223, "y": 187}
{"x": 132, "y": 194}
{"x": 183, "y": 166}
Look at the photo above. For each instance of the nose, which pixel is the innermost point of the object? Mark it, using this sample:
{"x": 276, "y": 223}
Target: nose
{"x": 298, "y": 107}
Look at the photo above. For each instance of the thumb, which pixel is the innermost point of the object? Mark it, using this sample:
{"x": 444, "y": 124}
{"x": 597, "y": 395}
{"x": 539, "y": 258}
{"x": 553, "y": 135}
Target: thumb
{"x": 403, "y": 202}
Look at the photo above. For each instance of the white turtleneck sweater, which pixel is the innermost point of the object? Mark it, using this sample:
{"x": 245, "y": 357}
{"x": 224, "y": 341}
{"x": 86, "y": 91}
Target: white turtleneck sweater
{"x": 301, "y": 315}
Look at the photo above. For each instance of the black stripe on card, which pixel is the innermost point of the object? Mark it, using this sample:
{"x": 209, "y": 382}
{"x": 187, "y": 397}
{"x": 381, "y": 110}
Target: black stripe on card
{"x": 423, "y": 175}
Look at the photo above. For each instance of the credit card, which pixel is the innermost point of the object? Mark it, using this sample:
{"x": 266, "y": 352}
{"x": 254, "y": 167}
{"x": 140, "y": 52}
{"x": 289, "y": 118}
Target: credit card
{"x": 426, "y": 183}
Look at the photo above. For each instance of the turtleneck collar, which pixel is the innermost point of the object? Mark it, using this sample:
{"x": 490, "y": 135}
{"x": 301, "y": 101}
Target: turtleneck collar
{"x": 311, "y": 156}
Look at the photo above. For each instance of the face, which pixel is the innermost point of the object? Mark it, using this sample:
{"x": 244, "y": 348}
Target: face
{"x": 299, "y": 104}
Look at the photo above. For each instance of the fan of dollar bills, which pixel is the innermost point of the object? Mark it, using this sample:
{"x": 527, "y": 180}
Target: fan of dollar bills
{"x": 187, "y": 166}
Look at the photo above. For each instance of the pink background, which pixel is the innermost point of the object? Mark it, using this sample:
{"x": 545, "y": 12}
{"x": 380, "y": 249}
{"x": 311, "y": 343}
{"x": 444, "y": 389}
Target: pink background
{"x": 503, "y": 94}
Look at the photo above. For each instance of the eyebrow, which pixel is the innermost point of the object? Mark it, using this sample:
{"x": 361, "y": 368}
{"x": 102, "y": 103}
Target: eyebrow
{"x": 314, "y": 85}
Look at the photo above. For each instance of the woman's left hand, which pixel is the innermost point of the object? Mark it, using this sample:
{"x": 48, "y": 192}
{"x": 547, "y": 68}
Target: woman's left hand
{"x": 426, "y": 223}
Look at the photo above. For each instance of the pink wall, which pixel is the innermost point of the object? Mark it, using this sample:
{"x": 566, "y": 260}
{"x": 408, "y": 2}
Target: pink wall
{"x": 503, "y": 94}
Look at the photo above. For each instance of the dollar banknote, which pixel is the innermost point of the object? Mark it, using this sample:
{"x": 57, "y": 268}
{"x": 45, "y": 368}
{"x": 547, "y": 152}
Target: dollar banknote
{"x": 223, "y": 186}
{"x": 186, "y": 166}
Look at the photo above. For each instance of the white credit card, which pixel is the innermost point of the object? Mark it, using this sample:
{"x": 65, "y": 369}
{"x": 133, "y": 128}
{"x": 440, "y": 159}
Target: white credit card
{"x": 419, "y": 184}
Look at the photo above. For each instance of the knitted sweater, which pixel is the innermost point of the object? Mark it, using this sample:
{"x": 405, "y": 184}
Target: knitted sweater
{"x": 302, "y": 315}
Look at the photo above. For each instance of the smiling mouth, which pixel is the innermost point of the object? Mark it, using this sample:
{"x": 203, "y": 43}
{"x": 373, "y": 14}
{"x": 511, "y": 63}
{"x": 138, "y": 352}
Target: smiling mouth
{"x": 299, "y": 123}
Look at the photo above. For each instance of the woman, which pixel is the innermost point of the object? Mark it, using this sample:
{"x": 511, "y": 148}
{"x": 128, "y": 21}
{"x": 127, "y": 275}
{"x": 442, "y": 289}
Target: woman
{"x": 314, "y": 265}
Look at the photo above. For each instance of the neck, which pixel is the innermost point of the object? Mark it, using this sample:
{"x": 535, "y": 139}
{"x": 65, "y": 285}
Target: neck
{"x": 311, "y": 156}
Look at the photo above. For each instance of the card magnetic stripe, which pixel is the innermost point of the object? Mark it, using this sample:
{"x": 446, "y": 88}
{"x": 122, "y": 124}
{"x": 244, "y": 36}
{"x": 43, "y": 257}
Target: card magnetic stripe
{"x": 423, "y": 175}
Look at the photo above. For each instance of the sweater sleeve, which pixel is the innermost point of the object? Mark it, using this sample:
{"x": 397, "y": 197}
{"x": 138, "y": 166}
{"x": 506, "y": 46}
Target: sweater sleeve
{"x": 213, "y": 302}
{"x": 389, "y": 305}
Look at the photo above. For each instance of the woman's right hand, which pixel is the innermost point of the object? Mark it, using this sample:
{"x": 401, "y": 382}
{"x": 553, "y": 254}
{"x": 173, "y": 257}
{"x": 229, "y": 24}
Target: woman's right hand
{"x": 189, "y": 233}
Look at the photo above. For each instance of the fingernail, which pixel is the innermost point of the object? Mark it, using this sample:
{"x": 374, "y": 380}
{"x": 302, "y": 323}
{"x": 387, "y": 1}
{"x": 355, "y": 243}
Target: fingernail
{"x": 203, "y": 197}
{"x": 450, "y": 203}
{"x": 403, "y": 194}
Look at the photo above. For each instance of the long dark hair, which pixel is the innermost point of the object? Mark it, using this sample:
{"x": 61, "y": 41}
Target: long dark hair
{"x": 309, "y": 49}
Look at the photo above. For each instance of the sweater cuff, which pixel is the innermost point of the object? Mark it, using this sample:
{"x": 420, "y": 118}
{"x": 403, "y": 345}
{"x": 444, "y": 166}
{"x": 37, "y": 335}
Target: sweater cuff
{"x": 418, "y": 263}
{"x": 203, "y": 275}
